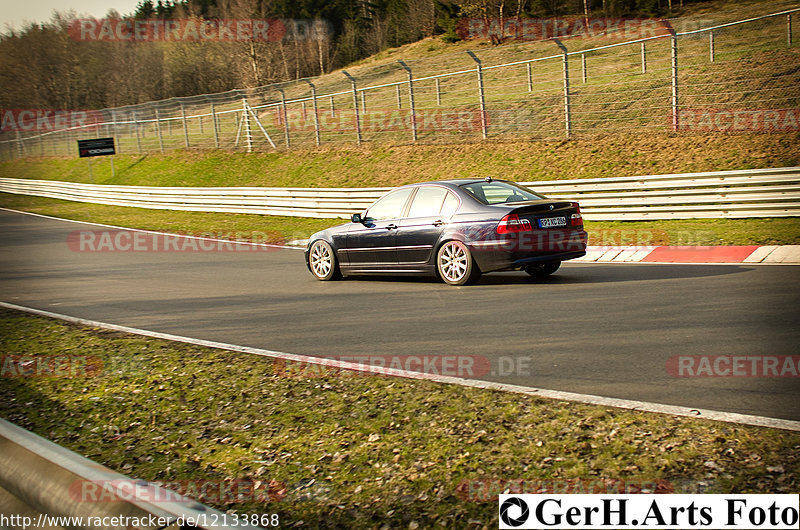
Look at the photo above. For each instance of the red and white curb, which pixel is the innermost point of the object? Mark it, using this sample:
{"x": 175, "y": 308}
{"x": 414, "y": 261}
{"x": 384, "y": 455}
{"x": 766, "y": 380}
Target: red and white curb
{"x": 774, "y": 254}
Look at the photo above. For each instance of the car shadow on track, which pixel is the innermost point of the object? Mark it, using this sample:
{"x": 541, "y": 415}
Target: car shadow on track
{"x": 580, "y": 274}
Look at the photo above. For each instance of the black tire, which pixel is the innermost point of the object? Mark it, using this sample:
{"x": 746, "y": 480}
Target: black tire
{"x": 540, "y": 270}
{"x": 322, "y": 261}
{"x": 455, "y": 265}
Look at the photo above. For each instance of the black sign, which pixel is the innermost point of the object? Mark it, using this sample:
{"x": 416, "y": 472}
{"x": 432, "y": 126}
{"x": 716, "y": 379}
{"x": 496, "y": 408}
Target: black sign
{"x": 96, "y": 147}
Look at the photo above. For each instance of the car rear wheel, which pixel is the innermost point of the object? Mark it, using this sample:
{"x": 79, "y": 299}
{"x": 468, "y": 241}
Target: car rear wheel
{"x": 455, "y": 265}
{"x": 538, "y": 270}
{"x": 322, "y": 261}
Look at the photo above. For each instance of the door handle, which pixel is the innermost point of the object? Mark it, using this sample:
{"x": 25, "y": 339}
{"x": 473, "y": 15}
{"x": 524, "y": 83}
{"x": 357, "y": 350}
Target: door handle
{"x": 391, "y": 227}
{"x": 438, "y": 222}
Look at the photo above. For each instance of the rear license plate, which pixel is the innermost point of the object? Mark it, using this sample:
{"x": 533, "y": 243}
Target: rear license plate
{"x": 550, "y": 222}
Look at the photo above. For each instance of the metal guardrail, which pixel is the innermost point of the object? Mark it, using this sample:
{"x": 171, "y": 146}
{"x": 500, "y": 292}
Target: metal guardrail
{"x": 723, "y": 194}
{"x": 43, "y": 482}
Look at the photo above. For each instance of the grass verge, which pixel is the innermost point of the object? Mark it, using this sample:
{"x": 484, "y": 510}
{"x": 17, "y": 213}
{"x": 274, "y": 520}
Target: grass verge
{"x": 354, "y": 450}
{"x": 612, "y": 156}
{"x": 276, "y": 229}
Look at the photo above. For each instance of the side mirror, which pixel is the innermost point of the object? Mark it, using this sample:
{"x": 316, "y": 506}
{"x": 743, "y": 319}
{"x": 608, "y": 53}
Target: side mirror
{"x": 356, "y": 218}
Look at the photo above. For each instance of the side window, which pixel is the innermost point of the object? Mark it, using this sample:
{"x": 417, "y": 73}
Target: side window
{"x": 450, "y": 205}
{"x": 427, "y": 202}
{"x": 390, "y": 206}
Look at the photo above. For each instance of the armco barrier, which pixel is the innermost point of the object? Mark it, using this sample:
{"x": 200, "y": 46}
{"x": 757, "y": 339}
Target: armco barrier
{"x": 723, "y": 194}
{"x": 37, "y": 479}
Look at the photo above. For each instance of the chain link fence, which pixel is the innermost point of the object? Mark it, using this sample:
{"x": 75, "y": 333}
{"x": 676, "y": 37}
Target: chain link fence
{"x": 736, "y": 77}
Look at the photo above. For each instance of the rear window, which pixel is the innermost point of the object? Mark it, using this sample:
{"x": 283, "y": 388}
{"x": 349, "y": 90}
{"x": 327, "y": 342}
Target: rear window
{"x": 500, "y": 192}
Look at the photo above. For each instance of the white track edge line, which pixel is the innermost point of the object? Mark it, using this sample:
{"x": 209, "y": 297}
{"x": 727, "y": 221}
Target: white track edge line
{"x": 645, "y": 406}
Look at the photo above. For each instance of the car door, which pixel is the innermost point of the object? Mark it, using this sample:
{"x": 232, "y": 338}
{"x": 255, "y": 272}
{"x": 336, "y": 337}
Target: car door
{"x": 372, "y": 243}
{"x": 417, "y": 234}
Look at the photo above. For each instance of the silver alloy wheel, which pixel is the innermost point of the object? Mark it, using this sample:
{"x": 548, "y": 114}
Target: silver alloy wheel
{"x": 454, "y": 263}
{"x": 322, "y": 260}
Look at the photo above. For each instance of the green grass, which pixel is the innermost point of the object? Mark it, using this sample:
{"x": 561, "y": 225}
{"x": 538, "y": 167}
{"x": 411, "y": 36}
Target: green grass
{"x": 354, "y": 450}
{"x": 277, "y": 229}
{"x": 611, "y": 156}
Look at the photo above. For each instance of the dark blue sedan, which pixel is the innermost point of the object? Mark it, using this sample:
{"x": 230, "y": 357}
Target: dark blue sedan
{"x": 456, "y": 229}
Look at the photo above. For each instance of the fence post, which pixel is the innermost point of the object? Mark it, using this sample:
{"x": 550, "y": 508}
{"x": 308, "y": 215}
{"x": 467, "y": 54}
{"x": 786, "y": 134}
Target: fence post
{"x": 411, "y": 105}
{"x": 158, "y": 130}
{"x": 583, "y": 67}
{"x": 333, "y": 108}
{"x": 114, "y": 131}
{"x": 479, "y": 69}
{"x": 789, "y": 29}
{"x": 138, "y": 137}
{"x": 567, "y": 108}
{"x": 399, "y": 99}
{"x": 285, "y": 118}
{"x": 355, "y": 104}
{"x": 438, "y": 93}
{"x": 248, "y": 135}
{"x": 711, "y": 46}
{"x": 675, "y": 123}
{"x": 185, "y": 127}
{"x": 363, "y": 100}
{"x": 314, "y": 109}
{"x": 529, "y": 67}
{"x": 644, "y": 58}
{"x": 214, "y": 125}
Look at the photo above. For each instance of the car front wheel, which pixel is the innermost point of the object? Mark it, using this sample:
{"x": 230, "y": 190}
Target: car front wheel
{"x": 538, "y": 270}
{"x": 455, "y": 265}
{"x": 322, "y": 261}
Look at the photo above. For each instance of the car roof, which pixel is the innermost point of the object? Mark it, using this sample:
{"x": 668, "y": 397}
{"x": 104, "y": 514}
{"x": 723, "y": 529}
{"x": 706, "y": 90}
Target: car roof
{"x": 456, "y": 182}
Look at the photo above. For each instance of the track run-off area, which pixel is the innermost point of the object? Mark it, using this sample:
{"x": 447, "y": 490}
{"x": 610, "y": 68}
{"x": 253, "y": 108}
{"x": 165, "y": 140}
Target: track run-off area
{"x": 708, "y": 337}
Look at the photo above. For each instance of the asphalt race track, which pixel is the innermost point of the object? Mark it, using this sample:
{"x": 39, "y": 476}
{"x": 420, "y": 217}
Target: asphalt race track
{"x": 602, "y": 329}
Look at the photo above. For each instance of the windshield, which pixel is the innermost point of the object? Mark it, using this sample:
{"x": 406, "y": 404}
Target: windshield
{"x": 497, "y": 192}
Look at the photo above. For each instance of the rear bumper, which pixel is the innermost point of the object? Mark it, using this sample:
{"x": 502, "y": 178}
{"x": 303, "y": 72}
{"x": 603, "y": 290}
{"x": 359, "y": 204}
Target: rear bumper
{"x": 514, "y": 251}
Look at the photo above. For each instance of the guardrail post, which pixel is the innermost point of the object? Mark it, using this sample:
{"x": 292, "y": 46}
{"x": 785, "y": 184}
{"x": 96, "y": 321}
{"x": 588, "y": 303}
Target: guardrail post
{"x": 185, "y": 127}
{"x": 675, "y": 123}
{"x": 285, "y": 119}
{"x": 789, "y": 29}
{"x": 711, "y": 46}
{"x": 214, "y": 125}
{"x": 315, "y": 110}
{"x": 567, "y": 107}
{"x": 411, "y": 105}
{"x": 479, "y": 70}
{"x": 644, "y": 58}
{"x": 355, "y": 105}
{"x": 158, "y": 130}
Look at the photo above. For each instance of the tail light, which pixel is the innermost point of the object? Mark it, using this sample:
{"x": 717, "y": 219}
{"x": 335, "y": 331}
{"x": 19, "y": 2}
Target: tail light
{"x": 512, "y": 223}
{"x": 576, "y": 219}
